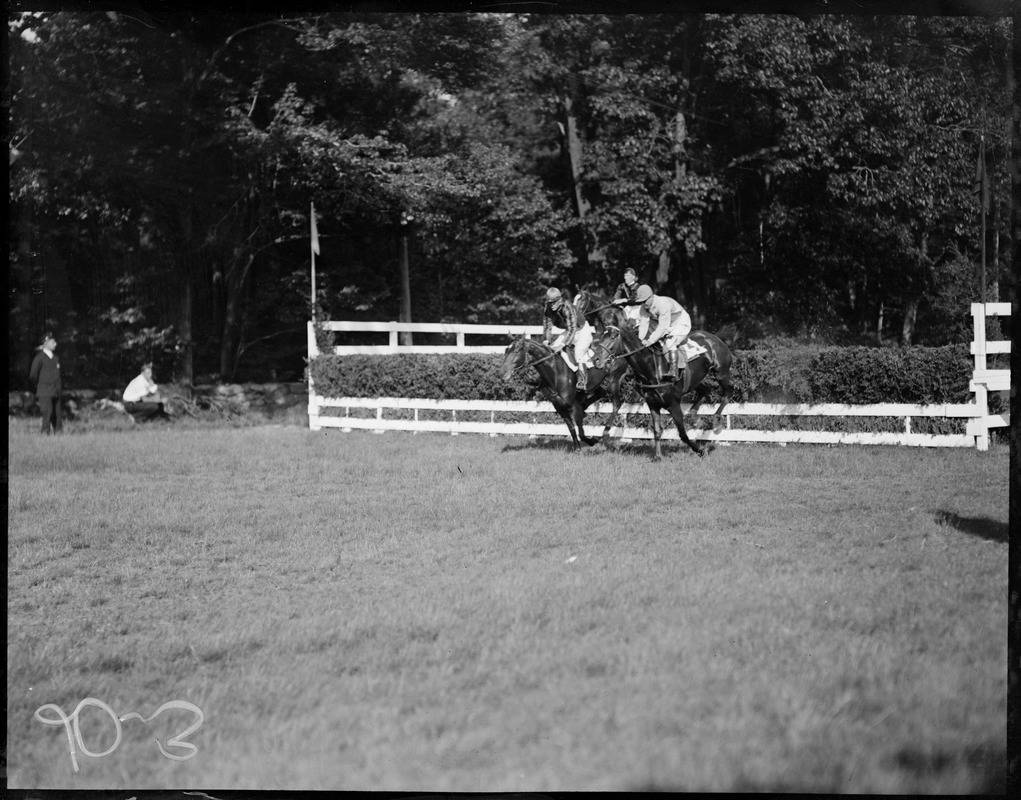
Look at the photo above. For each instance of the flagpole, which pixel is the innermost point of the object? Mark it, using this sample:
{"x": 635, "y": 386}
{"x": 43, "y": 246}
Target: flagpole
{"x": 982, "y": 200}
{"x": 314, "y": 242}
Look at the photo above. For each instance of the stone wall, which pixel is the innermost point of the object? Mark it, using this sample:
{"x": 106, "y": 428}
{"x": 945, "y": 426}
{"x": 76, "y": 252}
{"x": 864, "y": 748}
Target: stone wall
{"x": 269, "y": 398}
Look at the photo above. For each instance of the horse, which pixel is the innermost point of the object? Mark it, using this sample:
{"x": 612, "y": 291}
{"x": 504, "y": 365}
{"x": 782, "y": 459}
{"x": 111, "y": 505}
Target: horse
{"x": 623, "y": 343}
{"x": 599, "y": 311}
{"x": 560, "y": 384}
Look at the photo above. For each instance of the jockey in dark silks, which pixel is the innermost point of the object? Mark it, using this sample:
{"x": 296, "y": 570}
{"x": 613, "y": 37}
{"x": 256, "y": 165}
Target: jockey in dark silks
{"x": 625, "y": 297}
{"x": 577, "y": 331}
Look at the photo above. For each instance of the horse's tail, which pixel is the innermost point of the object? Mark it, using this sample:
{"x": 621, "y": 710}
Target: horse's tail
{"x": 728, "y": 334}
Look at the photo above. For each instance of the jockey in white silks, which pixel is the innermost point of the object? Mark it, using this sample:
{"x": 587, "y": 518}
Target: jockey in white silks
{"x": 577, "y": 331}
{"x": 672, "y": 325}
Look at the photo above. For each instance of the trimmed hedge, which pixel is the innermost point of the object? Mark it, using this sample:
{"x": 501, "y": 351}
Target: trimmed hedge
{"x": 858, "y": 375}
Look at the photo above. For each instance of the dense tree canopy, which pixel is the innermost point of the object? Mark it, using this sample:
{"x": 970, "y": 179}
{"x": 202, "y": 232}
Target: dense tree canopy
{"x": 803, "y": 175}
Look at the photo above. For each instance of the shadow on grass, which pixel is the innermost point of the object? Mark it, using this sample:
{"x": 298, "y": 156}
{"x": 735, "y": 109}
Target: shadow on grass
{"x": 984, "y": 528}
{"x": 552, "y": 445}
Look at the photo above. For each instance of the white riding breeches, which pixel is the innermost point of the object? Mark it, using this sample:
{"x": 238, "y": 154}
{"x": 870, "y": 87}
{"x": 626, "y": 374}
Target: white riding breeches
{"x": 582, "y": 343}
{"x": 641, "y": 320}
{"x": 677, "y": 332}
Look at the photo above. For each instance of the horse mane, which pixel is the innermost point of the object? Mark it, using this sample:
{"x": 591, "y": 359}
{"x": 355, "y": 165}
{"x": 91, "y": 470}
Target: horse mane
{"x": 524, "y": 341}
{"x": 607, "y": 315}
{"x": 629, "y": 335}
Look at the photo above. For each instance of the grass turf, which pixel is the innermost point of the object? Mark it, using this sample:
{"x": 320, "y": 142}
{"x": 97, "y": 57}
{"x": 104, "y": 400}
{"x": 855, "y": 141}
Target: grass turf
{"x": 428, "y": 612}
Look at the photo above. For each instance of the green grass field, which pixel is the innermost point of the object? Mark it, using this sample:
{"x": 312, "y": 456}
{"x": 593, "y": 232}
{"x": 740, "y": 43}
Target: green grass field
{"x": 401, "y": 612}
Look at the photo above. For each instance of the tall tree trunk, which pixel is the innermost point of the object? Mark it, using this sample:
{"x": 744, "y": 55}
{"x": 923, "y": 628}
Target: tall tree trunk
{"x": 234, "y": 286}
{"x": 910, "y": 316}
{"x": 24, "y": 340}
{"x": 184, "y": 266}
{"x": 591, "y": 252}
{"x": 186, "y": 364}
{"x": 667, "y": 259}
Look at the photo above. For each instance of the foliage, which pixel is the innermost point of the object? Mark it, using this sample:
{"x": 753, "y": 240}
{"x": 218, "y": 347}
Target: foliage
{"x": 856, "y": 375}
{"x": 807, "y": 175}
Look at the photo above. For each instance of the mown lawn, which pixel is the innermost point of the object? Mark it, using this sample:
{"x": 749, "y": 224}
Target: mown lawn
{"x": 400, "y": 612}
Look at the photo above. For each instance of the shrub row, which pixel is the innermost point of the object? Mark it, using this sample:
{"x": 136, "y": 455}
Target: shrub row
{"x": 858, "y": 375}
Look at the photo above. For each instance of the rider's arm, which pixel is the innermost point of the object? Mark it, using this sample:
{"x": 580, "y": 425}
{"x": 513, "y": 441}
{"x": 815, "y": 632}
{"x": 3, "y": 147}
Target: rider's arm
{"x": 659, "y": 331}
{"x": 547, "y": 327}
{"x": 570, "y": 325}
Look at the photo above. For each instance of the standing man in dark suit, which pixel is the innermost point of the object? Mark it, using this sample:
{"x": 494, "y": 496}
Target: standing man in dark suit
{"x": 45, "y": 379}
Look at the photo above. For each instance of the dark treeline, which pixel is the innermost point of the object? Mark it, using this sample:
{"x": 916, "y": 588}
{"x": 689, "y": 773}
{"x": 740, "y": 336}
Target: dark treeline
{"x": 806, "y": 176}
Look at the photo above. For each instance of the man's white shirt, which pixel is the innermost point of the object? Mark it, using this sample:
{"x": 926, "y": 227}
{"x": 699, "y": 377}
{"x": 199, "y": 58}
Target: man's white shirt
{"x": 138, "y": 389}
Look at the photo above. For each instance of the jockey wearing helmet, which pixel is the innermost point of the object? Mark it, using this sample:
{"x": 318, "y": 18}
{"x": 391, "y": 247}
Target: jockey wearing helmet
{"x": 672, "y": 325}
{"x": 577, "y": 331}
{"x": 625, "y": 296}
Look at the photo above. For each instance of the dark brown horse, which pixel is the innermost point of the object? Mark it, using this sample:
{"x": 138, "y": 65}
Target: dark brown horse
{"x": 599, "y": 311}
{"x": 560, "y": 384}
{"x": 623, "y": 343}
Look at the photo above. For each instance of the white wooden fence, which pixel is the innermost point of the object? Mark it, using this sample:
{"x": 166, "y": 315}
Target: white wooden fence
{"x": 409, "y": 414}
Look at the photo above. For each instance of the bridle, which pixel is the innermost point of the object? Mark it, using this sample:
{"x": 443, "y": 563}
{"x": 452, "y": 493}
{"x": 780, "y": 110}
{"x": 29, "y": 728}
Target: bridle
{"x": 606, "y": 350}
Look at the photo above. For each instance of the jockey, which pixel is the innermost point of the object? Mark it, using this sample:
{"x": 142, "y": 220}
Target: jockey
{"x": 672, "y": 325}
{"x": 625, "y": 296}
{"x": 577, "y": 331}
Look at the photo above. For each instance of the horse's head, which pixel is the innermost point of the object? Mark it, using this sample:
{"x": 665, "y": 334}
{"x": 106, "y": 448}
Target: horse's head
{"x": 606, "y": 348}
{"x": 597, "y": 309}
{"x": 514, "y": 358}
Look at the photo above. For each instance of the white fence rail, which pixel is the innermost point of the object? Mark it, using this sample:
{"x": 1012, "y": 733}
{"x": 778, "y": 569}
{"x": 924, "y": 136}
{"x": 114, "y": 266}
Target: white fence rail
{"x": 409, "y": 414}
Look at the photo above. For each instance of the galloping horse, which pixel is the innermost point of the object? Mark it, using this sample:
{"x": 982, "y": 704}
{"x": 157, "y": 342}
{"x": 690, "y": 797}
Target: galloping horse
{"x": 560, "y": 382}
{"x": 623, "y": 343}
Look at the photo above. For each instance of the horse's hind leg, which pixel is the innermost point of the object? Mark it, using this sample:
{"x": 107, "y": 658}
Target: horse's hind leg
{"x": 678, "y": 414}
{"x": 701, "y": 394}
{"x": 567, "y": 415}
{"x": 725, "y": 390}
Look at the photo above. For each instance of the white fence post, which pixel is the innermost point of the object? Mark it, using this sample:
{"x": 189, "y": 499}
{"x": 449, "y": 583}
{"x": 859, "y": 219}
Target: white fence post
{"x": 313, "y": 401}
{"x": 984, "y": 379}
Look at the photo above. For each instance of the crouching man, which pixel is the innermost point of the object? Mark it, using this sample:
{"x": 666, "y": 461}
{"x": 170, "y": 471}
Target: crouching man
{"x": 142, "y": 398}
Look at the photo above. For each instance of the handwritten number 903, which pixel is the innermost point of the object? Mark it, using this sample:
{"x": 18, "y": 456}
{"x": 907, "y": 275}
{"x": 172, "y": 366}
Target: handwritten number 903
{"x": 74, "y": 732}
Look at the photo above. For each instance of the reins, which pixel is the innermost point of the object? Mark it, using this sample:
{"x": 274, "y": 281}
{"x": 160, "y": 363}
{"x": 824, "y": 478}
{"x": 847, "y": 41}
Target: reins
{"x": 621, "y": 355}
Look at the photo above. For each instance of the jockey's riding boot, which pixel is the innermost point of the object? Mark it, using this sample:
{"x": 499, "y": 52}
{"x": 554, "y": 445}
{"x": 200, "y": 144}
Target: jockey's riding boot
{"x": 672, "y": 361}
{"x": 582, "y": 378}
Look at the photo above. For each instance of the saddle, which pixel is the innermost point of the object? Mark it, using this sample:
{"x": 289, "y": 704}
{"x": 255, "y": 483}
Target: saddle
{"x": 568, "y": 355}
{"x": 690, "y": 350}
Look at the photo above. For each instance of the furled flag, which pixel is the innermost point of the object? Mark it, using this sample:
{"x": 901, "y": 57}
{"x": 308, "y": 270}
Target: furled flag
{"x": 315, "y": 233}
{"x": 981, "y": 187}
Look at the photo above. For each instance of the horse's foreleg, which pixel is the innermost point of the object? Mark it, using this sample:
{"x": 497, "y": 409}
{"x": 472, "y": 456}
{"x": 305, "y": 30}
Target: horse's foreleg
{"x": 657, "y": 431}
{"x": 579, "y": 415}
{"x": 566, "y": 413}
{"x": 615, "y": 397}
